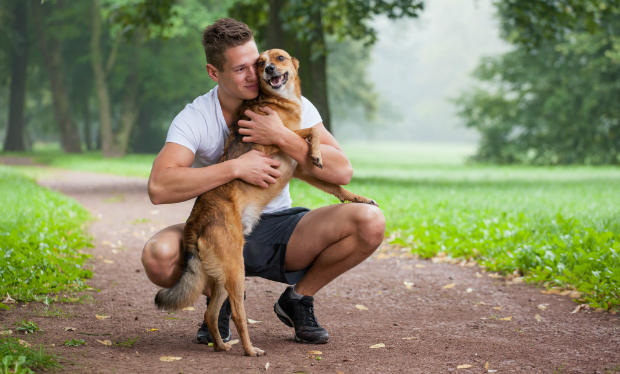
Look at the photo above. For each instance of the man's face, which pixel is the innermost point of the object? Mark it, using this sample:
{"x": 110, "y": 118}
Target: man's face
{"x": 239, "y": 76}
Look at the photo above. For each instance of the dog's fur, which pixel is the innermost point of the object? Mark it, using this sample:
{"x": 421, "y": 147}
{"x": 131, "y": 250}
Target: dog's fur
{"x": 213, "y": 237}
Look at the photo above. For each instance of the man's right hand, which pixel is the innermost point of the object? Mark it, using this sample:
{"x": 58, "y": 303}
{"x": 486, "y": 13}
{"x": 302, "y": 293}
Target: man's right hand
{"x": 255, "y": 167}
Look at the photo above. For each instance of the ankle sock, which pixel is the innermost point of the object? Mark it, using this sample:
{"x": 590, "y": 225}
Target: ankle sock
{"x": 293, "y": 294}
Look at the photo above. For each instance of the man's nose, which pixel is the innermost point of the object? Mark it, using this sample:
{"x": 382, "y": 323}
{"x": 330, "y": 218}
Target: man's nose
{"x": 270, "y": 69}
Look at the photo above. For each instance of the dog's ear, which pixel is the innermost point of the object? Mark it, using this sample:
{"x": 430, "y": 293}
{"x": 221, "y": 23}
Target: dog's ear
{"x": 295, "y": 63}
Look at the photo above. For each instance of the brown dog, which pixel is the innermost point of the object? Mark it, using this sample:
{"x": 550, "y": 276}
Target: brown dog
{"x": 213, "y": 237}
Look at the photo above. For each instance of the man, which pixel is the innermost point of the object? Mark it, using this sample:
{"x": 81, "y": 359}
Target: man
{"x": 307, "y": 249}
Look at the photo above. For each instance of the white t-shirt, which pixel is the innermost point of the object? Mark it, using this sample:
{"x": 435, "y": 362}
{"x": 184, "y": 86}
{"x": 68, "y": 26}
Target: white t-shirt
{"x": 201, "y": 127}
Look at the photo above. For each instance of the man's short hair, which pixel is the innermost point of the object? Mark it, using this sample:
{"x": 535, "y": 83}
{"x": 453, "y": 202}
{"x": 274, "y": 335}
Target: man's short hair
{"x": 223, "y": 34}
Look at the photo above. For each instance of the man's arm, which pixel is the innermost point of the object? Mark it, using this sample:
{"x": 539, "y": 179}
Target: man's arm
{"x": 269, "y": 130}
{"x": 173, "y": 179}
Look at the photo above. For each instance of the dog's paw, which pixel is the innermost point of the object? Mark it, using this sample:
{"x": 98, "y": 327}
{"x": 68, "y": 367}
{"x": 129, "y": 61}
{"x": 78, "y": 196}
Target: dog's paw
{"x": 255, "y": 352}
{"x": 372, "y": 202}
{"x": 225, "y": 347}
{"x": 365, "y": 200}
{"x": 316, "y": 161}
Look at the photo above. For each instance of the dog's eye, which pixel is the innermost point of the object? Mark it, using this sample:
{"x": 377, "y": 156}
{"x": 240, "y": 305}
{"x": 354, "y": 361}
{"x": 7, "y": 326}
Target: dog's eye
{"x": 280, "y": 58}
{"x": 261, "y": 64}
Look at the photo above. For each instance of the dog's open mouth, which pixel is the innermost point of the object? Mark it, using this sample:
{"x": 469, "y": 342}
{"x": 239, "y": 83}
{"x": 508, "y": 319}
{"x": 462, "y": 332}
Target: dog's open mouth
{"x": 278, "y": 81}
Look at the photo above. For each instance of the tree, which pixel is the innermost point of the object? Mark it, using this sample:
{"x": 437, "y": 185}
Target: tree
{"x": 301, "y": 27}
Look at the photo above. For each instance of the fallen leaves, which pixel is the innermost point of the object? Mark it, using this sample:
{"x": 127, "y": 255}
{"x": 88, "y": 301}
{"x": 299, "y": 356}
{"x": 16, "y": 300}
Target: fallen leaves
{"x": 478, "y": 275}
{"x": 420, "y": 266}
{"x": 574, "y": 295}
{"x": 233, "y": 342}
{"x": 315, "y": 352}
{"x": 108, "y": 261}
{"x": 189, "y": 309}
{"x": 493, "y": 275}
{"x": 380, "y": 345}
{"x": 448, "y": 286}
{"x": 498, "y": 307}
{"x": 543, "y": 306}
{"x": 105, "y": 342}
{"x": 552, "y": 291}
{"x": 267, "y": 366}
{"x": 70, "y": 329}
{"x": 469, "y": 290}
{"x": 408, "y": 284}
{"x": 410, "y": 338}
{"x": 578, "y": 308}
{"x": 361, "y": 307}
{"x": 253, "y": 321}
{"x": 537, "y": 318}
{"x": 151, "y": 330}
{"x": 506, "y": 318}
{"x": 169, "y": 358}
{"x": 98, "y": 316}
{"x": 463, "y": 366}
{"x": 8, "y": 300}
{"x": 480, "y": 303}
{"x": 23, "y": 343}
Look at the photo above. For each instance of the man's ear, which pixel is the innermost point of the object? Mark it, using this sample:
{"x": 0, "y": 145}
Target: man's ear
{"x": 213, "y": 72}
{"x": 295, "y": 63}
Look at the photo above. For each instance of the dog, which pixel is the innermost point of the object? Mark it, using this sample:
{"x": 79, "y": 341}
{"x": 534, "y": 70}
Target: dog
{"x": 213, "y": 238}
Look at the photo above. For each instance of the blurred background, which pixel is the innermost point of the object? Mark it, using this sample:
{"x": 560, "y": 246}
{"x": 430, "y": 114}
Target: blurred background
{"x": 503, "y": 82}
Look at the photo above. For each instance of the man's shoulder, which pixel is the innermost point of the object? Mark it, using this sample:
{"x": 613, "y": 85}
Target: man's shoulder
{"x": 203, "y": 107}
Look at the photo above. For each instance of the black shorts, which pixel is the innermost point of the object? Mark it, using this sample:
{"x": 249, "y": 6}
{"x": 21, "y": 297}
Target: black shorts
{"x": 265, "y": 248}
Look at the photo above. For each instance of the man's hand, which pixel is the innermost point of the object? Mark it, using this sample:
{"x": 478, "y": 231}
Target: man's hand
{"x": 264, "y": 130}
{"x": 256, "y": 168}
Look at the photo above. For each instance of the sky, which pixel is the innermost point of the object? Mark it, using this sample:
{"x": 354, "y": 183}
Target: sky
{"x": 419, "y": 64}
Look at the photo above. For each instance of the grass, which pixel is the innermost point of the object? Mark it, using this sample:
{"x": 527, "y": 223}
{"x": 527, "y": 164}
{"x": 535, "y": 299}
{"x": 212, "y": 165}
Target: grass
{"x": 74, "y": 343}
{"x": 556, "y": 225}
{"x": 24, "y": 356}
{"x": 41, "y": 232}
{"x": 28, "y": 327}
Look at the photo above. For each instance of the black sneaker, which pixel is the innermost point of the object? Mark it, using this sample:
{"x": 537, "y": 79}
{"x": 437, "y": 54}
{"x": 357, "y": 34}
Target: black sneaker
{"x": 299, "y": 313}
{"x": 223, "y": 324}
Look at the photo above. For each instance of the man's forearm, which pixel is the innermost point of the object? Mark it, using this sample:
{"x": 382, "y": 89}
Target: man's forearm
{"x": 176, "y": 184}
{"x": 336, "y": 167}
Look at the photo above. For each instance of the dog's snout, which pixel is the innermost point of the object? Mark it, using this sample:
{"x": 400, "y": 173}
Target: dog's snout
{"x": 270, "y": 69}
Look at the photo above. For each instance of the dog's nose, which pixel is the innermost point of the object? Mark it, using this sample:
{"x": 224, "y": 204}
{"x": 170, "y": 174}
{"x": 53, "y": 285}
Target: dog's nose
{"x": 269, "y": 69}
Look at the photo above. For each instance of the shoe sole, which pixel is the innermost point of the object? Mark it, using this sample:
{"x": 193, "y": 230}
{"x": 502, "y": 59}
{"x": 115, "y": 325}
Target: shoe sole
{"x": 282, "y": 316}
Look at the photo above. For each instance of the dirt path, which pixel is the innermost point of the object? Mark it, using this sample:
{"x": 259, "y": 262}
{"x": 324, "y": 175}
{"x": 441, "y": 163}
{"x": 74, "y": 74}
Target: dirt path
{"x": 444, "y": 327}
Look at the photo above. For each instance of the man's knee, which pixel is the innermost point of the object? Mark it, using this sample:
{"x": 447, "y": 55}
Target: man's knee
{"x": 159, "y": 259}
{"x": 370, "y": 226}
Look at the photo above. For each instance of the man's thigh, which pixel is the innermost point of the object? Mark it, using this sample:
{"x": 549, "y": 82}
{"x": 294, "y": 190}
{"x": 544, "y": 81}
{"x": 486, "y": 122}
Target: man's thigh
{"x": 317, "y": 230}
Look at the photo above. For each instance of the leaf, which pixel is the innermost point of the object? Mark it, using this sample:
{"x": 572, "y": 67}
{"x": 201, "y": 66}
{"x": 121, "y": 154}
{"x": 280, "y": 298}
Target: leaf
{"x": 486, "y": 366}
{"x": 506, "y": 318}
{"x": 420, "y": 266}
{"x": 70, "y": 329}
{"x": 380, "y": 345}
{"x": 497, "y": 308}
{"x": 105, "y": 342}
{"x": 469, "y": 290}
{"x": 447, "y": 286}
{"x": 7, "y": 332}
{"x": 361, "y": 307}
{"x": 23, "y": 343}
{"x": 551, "y": 292}
{"x": 169, "y": 358}
{"x": 106, "y": 242}
{"x": 410, "y": 338}
{"x": 189, "y": 308}
{"x": 267, "y": 366}
{"x": 575, "y": 295}
{"x": 478, "y": 275}
{"x": 517, "y": 280}
{"x": 564, "y": 293}
{"x": 537, "y": 317}
{"x": 315, "y": 352}
{"x": 5, "y": 307}
{"x": 408, "y": 284}
{"x": 101, "y": 317}
{"x": 463, "y": 366}
{"x": 492, "y": 371}
{"x": 493, "y": 275}
{"x": 480, "y": 303}
{"x": 8, "y": 299}
{"x": 578, "y": 308}
{"x": 233, "y": 342}
{"x": 543, "y": 306}
{"x": 253, "y": 321}
{"x": 151, "y": 330}
{"x": 108, "y": 261}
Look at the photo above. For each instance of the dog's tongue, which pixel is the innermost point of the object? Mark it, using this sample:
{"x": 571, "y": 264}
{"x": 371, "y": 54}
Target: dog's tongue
{"x": 276, "y": 80}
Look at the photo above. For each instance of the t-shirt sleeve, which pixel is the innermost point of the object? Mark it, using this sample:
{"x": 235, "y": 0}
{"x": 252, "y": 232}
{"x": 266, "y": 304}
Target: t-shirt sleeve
{"x": 310, "y": 115}
{"x": 184, "y": 129}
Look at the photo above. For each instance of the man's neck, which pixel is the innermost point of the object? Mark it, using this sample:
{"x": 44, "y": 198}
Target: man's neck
{"x": 229, "y": 105}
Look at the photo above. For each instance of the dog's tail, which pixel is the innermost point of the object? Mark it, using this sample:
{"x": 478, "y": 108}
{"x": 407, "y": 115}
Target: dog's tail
{"x": 188, "y": 288}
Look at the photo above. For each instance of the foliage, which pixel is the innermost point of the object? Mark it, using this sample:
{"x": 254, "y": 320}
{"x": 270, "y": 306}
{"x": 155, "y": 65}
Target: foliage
{"x": 41, "y": 232}
{"x": 127, "y": 343}
{"x": 11, "y": 353}
{"x": 74, "y": 343}
{"x": 28, "y": 327}
{"x": 551, "y": 100}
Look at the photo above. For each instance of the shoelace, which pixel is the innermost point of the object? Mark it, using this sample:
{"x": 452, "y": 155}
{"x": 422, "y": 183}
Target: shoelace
{"x": 306, "y": 312}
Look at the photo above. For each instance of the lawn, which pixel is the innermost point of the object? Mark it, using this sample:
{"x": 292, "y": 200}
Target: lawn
{"x": 555, "y": 225}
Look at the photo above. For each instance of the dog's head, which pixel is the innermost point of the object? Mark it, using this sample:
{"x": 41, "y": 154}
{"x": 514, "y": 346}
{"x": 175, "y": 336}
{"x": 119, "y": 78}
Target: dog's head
{"x": 277, "y": 71}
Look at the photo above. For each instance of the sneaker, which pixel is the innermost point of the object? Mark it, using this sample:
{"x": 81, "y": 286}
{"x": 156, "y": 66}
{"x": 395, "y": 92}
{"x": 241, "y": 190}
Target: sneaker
{"x": 299, "y": 313}
{"x": 223, "y": 324}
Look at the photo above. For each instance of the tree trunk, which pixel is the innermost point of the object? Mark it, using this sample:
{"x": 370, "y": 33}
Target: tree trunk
{"x": 101, "y": 84}
{"x": 14, "y": 140}
{"x": 50, "y": 46}
{"x": 88, "y": 137}
{"x": 311, "y": 55}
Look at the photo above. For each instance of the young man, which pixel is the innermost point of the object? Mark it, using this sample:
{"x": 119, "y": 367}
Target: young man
{"x": 307, "y": 249}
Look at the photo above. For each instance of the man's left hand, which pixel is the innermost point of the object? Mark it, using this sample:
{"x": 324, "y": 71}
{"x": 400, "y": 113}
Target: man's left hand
{"x": 262, "y": 129}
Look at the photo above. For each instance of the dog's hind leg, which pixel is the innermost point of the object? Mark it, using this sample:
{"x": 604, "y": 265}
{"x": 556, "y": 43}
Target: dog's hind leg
{"x": 332, "y": 189}
{"x": 312, "y": 136}
{"x": 218, "y": 296}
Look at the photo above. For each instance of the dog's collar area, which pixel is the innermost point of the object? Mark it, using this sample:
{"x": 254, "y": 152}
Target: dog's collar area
{"x": 277, "y": 81}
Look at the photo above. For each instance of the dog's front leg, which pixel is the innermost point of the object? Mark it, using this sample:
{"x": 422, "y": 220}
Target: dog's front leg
{"x": 312, "y": 136}
{"x": 332, "y": 189}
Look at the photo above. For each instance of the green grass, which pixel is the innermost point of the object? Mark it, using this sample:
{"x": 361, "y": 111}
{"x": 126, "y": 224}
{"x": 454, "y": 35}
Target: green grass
{"x": 26, "y": 357}
{"x": 556, "y": 225}
{"x": 40, "y": 234}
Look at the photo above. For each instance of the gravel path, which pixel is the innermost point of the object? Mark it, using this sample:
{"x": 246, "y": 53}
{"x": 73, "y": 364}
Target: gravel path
{"x": 425, "y": 327}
